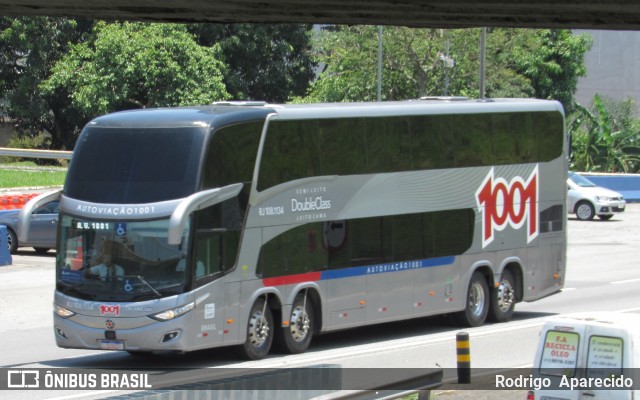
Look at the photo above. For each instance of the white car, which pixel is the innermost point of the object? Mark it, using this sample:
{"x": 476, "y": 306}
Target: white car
{"x": 586, "y": 199}
{"x": 587, "y": 355}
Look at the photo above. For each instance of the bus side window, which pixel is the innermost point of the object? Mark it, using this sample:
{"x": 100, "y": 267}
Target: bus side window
{"x": 208, "y": 254}
{"x": 215, "y": 252}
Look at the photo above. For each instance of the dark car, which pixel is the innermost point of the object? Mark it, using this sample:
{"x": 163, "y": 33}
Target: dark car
{"x": 42, "y": 231}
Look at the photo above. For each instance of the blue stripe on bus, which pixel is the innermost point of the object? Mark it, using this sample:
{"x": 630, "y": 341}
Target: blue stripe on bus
{"x": 386, "y": 268}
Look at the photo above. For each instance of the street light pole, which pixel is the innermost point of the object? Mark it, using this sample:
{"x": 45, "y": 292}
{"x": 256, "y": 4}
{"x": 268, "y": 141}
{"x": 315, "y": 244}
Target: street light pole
{"x": 483, "y": 45}
{"x": 380, "y": 63}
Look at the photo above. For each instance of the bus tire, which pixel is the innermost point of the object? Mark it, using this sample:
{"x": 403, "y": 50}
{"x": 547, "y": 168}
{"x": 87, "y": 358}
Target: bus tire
{"x": 477, "y": 302}
{"x": 503, "y": 298}
{"x": 296, "y": 337}
{"x": 259, "y": 331}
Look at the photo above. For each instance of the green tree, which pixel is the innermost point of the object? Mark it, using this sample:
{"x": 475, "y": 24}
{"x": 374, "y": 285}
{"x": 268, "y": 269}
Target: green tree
{"x": 605, "y": 139}
{"x": 553, "y": 60}
{"x": 137, "y": 65}
{"x": 420, "y": 62}
{"x": 349, "y": 58}
{"x": 270, "y": 62}
{"x": 29, "y": 48}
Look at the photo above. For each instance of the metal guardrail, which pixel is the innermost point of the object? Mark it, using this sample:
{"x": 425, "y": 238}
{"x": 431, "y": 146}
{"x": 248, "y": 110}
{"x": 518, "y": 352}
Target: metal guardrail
{"x": 50, "y": 154}
{"x": 319, "y": 382}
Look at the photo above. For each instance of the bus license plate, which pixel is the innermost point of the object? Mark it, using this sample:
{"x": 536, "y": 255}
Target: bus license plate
{"x": 112, "y": 345}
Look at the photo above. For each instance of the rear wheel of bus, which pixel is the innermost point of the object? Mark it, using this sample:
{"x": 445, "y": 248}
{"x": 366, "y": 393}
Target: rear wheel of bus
{"x": 296, "y": 337}
{"x": 477, "y": 304}
{"x": 259, "y": 331}
{"x": 503, "y": 298}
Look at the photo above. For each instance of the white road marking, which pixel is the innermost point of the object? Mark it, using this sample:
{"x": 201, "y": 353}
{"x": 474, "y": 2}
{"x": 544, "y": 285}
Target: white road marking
{"x": 625, "y": 281}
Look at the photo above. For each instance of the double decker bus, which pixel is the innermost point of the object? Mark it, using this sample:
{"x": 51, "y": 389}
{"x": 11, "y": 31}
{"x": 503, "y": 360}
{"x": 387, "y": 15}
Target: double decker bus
{"x": 257, "y": 225}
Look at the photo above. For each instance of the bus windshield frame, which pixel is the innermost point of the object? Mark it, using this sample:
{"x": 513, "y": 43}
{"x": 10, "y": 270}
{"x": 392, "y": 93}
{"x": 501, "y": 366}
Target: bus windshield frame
{"x": 135, "y": 165}
{"x": 128, "y": 260}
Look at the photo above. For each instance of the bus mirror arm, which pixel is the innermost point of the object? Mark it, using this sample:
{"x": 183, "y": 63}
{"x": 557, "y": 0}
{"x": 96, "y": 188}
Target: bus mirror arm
{"x": 196, "y": 202}
{"x": 24, "y": 216}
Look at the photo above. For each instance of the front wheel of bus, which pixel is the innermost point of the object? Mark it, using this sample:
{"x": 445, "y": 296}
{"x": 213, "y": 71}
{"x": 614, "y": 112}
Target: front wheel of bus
{"x": 477, "y": 305}
{"x": 503, "y": 299}
{"x": 296, "y": 337}
{"x": 259, "y": 331}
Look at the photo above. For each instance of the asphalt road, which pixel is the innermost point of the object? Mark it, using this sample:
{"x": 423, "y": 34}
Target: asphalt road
{"x": 602, "y": 275}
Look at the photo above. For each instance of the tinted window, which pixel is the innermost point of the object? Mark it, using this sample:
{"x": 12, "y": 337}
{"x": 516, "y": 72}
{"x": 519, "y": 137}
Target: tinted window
{"x": 217, "y": 238}
{"x": 112, "y": 165}
{"x": 48, "y": 208}
{"x": 296, "y": 251}
{"x": 231, "y": 155}
{"x": 367, "y": 241}
{"x": 351, "y": 146}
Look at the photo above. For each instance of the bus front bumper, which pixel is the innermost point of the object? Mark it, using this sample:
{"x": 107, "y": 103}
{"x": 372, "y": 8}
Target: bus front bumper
{"x": 151, "y": 336}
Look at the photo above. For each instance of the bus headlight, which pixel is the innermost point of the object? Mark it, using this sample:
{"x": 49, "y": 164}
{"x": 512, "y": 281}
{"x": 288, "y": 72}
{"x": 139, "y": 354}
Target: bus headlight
{"x": 173, "y": 313}
{"x": 62, "y": 312}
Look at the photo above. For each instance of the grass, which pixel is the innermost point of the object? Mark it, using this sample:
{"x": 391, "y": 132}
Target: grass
{"x": 28, "y": 174}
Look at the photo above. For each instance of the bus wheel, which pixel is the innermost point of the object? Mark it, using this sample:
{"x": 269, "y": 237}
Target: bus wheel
{"x": 259, "y": 331}
{"x": 477, "y": 306}
{"x": 296, "y": 337}
{"x": 503, "y": 299}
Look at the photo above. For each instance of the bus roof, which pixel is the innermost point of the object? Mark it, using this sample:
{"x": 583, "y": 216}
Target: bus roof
{"x": 432, "y": 106}
{"x": 220, "y": 114}
{"x": 180, "y": 117}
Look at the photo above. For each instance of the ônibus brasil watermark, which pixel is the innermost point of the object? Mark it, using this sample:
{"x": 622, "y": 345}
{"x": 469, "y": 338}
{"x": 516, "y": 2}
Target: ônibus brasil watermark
{"x": 65, "y": 379}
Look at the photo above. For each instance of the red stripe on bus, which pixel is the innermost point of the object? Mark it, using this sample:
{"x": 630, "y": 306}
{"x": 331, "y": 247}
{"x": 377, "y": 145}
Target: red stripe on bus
{"x": 290, "y": 279}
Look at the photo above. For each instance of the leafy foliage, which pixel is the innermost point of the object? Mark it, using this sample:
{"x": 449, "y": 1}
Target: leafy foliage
{"x": 605, "y": 139}
{"x": 431, "y": 62}
{"x": 57, "y": 73}
{"x": 270, "y": 62}
{"x": 136, "y": 65}
{"x": 553, "y": 60}
{"x": 29, "y": 48}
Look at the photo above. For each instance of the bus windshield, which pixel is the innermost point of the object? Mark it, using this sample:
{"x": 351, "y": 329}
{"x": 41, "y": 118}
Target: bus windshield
{"x": 119, "y": 261}
{"x": 133, "y": 166}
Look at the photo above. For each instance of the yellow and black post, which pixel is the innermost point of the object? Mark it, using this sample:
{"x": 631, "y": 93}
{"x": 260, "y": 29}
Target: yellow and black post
{"x": 463, "y": 354}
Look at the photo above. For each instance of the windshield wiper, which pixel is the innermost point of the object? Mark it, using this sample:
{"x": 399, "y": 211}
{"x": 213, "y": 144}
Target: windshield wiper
{"x": 147, "y": 284}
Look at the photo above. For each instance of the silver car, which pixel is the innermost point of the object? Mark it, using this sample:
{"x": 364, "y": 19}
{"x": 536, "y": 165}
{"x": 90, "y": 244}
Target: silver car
{"x": 42, "y": 231}
{"x": 586, "y": 199}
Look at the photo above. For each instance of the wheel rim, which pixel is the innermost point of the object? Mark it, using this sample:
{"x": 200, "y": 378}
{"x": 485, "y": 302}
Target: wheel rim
{"x": 258, "y": 329}
{"x": 476, "y": 299}
{"x": 584, "y": 211}
{"x": 506, "y": 296}
{"x": 9, "y": 242}
{"x": 300, "y": 324}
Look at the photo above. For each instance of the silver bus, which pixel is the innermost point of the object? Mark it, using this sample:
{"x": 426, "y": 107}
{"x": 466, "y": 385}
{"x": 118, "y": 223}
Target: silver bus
{"x": 257, "y": 225}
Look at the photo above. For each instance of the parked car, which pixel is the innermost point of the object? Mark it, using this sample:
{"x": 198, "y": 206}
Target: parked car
{"x": 586, "y": 199}
{"x": 42, "y": 231}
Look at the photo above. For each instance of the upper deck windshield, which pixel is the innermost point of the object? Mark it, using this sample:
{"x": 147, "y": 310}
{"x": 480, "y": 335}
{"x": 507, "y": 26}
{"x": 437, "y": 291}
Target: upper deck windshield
{"x": 119, "y": 261}
{"x": 141, "y": 165}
